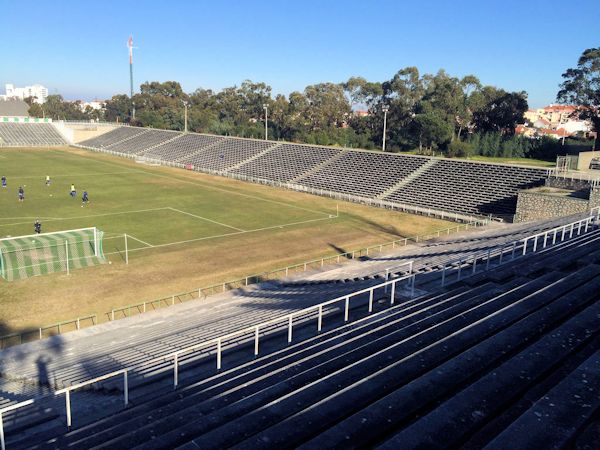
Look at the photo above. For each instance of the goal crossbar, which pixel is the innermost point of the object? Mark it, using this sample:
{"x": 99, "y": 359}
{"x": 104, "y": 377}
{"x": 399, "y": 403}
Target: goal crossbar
{"x": 43, "y": 253}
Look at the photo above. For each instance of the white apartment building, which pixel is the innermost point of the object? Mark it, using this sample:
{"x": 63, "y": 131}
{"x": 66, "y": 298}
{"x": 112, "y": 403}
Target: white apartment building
{"x": 37, "y": 90}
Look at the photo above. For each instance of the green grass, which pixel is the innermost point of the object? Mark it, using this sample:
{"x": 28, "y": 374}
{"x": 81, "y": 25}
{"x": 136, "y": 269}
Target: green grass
{"x": 521, "y": 161}
{"x": 494, "y": 159}
{"x": 148, "y": 206}
{"x": 186, "y": 230}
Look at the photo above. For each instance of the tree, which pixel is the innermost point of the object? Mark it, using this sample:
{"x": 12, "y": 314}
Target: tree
{"x": 328, "y": 106}
{"x": 581, "y": 86}
{"x": 433, "y": 130}
{"x": 57, "y": 108}
{"x": 361, "y": 91}
{"x": 445, "y": 95}
{"x": 118, "y": 108}
{"x": 471, "y": 87}
{"x": 502, "y": 113}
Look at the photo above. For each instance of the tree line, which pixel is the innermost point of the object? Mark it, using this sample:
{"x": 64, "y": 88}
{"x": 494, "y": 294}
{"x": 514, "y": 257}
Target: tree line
{"x": 423, "y": 112}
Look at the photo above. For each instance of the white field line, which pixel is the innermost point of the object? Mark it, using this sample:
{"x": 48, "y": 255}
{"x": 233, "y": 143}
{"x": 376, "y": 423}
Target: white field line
{"x": 139, "y": 240}
{"x": 121, "y": 236}
{"x": 165, "y": 208}
{"x": 214, "y": 188}
{"x": 93, "y": 215}
{"x": 208, "y": 186}
{"x": 31, "y": 217}
{"x": 330, "y": 217}
{"x": 204, "y": 218}
{"x": 91, "y": 174}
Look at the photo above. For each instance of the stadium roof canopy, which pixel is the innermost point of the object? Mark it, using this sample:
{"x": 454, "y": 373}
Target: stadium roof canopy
{"x": 14, "y": 108}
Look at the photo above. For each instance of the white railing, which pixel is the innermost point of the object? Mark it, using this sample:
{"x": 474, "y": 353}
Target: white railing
{"x": 594, "y": 179}
{"x": 67, "y": 390}
{"x": 547, "y": 238}
{"x": 429, "y": 212}
{"x": 92, "y": 122}
{"x": 203, "y": 292}
{"x": 5, "y": 410}
{"x": 286, "y": 321}
{"x": 39, "y": 332}
{"x": 520, "y": 247}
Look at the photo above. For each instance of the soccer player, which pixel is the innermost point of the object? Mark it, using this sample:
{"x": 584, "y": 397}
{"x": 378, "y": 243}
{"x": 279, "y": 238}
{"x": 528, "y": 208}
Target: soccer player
{"x": 3, "y": 181}
{"x": 37, "y": 226}
{"x": 47, "y": 180}
{"x": 84, "y": 198}
{"x": 21, "y": 194}
{"x": 73, "y": 191}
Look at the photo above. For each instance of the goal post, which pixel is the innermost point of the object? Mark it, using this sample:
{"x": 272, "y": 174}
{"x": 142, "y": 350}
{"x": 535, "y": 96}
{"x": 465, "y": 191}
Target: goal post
{"x": 60, "y": 251}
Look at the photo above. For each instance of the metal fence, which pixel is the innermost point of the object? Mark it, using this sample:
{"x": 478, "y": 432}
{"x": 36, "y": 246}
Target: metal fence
{"x": 218, "y": 288}
{"x": 48, "y": 330}
{"x": 594, "y": 179}
{"x": 508, "y": 252}
{"x": 539, "y": 242}
{"x": 429, "y": 212}
{"x": 315, "y": 264}
{"x": 219, "y": 343}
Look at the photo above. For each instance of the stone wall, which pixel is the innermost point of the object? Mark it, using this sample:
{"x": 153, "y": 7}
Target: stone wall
{"x": 82, "y": 132}
{"x": 535, "y": 204}
{"x": 568, "y": 183}
{"x": 594, "y": 197}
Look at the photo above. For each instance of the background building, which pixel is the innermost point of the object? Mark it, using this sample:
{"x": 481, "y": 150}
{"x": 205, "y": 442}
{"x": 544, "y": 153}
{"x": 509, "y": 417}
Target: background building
{"x": 37, "y": 90}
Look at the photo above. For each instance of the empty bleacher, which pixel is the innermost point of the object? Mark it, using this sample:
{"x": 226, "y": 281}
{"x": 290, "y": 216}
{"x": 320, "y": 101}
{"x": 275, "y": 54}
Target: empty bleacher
{"x": 140, "y": 142}
{"x": 489, "y": 360}
{"x": 286, "y": 162}
{"x": 226, "y": 153}
{"x": 112, "y": 137}
{"x": 29, "y": 135}
{"x": 365, "y": 174}
{"x": 181, "y": 148}
{"x": 469, "y": 188}
{"x": 454, "y": 186}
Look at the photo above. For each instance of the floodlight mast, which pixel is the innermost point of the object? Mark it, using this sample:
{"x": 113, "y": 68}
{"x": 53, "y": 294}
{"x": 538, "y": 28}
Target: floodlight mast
{"x": 130, "y": 46}
{"x": 185, "y": 117}
{"x": 385, "y": 110}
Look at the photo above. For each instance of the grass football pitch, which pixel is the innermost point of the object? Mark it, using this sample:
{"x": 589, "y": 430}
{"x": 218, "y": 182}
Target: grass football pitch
{"x": 185, "y": 230}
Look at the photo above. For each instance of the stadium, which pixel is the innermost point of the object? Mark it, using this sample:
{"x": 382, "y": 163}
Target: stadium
{"x": 164, "y": 288}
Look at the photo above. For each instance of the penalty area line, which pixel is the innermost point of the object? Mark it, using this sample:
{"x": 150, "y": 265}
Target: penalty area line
{"x": 92, "y": 215}
{"x": 204, "y": 218}
{"x": 237, "y": 233}
{"x": 139, "y": 240}
{"x": 91, "y": 174}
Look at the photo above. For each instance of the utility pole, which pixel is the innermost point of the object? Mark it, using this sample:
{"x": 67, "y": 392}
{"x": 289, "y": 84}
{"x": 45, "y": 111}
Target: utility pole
{"x": 266, "y": 108}
{"x": 385, "y": 110}
{"x": 185, "y": 105}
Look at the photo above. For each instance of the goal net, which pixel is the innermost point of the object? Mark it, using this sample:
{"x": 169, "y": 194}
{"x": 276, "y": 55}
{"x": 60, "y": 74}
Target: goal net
{"x": 39, "y": 254}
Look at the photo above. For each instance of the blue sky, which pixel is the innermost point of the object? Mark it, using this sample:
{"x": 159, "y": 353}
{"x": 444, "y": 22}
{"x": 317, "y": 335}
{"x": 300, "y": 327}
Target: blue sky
{"x": 78, "y": 48}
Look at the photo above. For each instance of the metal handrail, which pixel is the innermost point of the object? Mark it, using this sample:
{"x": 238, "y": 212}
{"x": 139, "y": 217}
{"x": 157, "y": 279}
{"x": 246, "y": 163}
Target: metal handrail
{"x": 67, "y": 390}
{"x": 584, "y": 176}
{"x": 486, "y": 256}
{"x": 245, "y": 281}
{"x": 40, "y": 330}
{"x": 218, "y": 341}
{"x": 303, "y": 312}
{"x": 7, "y": 409}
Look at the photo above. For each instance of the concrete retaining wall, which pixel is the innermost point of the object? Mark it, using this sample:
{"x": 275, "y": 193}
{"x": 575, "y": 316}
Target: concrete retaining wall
{"x": 544, "y": 203}
{"x": 568, "y": 183}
